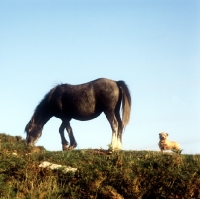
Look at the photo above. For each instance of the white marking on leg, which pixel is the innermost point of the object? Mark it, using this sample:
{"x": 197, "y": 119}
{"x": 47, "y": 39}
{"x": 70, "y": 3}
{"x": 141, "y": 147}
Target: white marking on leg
{"x": 114, "y": 140}
{"x": 119, "y": 143}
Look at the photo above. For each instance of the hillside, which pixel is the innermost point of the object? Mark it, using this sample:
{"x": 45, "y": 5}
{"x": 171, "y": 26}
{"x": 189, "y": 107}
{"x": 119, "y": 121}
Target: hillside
{"x": 99, "y": 174}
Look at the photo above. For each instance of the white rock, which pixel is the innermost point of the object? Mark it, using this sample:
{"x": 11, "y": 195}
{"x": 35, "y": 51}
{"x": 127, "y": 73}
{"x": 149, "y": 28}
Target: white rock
{"x": 69, "y": 169}
{"x": 52, "y": 166}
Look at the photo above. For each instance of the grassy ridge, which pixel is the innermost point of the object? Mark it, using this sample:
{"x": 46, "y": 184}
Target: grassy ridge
{"x": 123, "y": 174}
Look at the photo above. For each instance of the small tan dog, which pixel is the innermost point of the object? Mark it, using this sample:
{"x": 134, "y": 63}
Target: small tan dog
{"x": 164, "y": 144}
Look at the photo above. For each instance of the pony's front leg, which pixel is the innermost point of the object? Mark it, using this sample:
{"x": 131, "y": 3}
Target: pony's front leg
{"x": 73, "y": 143}
{"x": 63, "y": 140}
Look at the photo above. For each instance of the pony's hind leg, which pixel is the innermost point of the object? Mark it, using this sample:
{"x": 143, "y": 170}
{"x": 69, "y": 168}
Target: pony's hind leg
{"x": 73, "y": 143}
{"x": 63, "y": 140}
{"x": 120, "y": 130}
{"x": 114, "y": 126}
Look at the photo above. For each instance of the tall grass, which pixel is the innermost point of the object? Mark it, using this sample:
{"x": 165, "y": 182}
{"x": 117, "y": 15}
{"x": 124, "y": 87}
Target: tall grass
{"x": 122, "y": 174}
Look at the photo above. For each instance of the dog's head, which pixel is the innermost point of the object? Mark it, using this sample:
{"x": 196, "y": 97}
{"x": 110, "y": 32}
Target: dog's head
{"x": 163, "y": 136}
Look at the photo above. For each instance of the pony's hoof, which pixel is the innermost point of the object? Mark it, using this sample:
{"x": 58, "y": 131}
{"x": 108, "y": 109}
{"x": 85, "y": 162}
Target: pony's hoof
{"x": 72, "y": 147}
{"x": 65, "y": 147}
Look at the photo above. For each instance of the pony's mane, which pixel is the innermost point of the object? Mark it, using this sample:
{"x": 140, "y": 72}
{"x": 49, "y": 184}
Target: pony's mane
{"x": 44, "y": 102}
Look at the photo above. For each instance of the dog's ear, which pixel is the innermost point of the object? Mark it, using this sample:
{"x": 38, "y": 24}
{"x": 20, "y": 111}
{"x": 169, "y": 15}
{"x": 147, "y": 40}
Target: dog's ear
{"x": 167, "y": 134}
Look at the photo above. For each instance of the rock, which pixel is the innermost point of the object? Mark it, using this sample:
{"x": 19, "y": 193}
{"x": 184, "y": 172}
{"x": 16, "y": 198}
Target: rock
{"x": 52, "y": 166}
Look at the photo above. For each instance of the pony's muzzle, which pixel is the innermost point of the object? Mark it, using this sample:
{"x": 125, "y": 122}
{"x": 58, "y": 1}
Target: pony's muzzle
{"x": 30, "y": 140}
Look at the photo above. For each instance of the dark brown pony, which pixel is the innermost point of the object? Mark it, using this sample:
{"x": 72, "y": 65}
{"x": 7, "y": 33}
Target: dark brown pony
{"x": 82, "y": 102}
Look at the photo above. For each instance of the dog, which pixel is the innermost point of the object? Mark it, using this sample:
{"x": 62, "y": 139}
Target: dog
{"x": 165, "y": 144}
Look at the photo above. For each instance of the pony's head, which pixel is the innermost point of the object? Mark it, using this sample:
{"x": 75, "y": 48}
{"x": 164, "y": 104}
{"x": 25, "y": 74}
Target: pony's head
{"x": 33, "y": 132}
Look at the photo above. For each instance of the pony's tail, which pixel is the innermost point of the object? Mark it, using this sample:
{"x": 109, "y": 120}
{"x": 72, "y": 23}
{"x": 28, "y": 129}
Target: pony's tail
{"x": 126, "y": 102}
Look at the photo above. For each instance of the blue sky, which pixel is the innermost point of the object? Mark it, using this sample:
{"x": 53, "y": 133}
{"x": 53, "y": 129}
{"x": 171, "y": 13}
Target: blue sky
{"x": 152, "y": 45}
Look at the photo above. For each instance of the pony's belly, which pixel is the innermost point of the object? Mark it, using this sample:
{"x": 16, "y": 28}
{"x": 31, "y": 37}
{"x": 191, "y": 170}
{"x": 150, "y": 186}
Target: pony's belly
{"x": 86, "y": 117}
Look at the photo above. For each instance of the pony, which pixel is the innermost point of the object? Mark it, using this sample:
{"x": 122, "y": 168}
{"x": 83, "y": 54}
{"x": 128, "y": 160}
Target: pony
{"x": 82, "y": 102}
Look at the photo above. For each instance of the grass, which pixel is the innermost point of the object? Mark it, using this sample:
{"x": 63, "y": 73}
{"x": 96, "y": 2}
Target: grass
{"x": 121, "y": 174}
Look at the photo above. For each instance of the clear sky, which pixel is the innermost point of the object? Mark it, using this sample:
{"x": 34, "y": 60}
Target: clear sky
{"x": 152, "y": 45}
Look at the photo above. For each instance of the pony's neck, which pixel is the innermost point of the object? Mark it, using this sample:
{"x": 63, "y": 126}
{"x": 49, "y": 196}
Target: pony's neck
{"x": 42, "y": 112}
{"x": 41, "y": 120}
